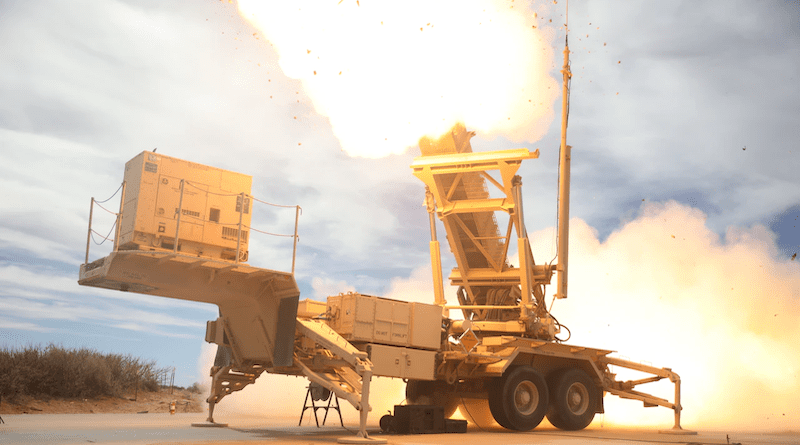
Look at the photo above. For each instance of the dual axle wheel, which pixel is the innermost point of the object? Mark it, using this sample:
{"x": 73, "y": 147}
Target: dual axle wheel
{"x": 522, "y": 397}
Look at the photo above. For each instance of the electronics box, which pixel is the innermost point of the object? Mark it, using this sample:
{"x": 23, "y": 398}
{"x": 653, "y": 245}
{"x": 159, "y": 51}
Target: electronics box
{"x": 309, "y": 308}
{"x": 212, "y": 204}
{"x": 404, "y": 363}
{"x": 367, "y": 319}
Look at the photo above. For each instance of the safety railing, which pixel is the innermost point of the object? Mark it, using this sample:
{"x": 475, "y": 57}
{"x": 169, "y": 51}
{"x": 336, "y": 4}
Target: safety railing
{"x": 243, "y": 206}
{"x": 114, "y": 227}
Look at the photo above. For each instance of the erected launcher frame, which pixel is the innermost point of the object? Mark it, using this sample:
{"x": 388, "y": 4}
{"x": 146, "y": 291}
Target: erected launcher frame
{"x": 480, "y": 250}
{"x": 506, "y": 345}
{"x": 506, "y": 323}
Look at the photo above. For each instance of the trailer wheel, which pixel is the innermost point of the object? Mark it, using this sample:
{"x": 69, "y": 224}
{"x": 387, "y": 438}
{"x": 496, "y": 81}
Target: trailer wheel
{"x": 387, "y": 423}
{"x": 519, "y": 400}
{"x": 422, "y": 392}
{"x": 573, "y": 400}
{"x": 476, "y": 411}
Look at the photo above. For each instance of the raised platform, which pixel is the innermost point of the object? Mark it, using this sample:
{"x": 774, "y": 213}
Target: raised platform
{"x": 258, "y": 306}
{"x": 174, "y": 275}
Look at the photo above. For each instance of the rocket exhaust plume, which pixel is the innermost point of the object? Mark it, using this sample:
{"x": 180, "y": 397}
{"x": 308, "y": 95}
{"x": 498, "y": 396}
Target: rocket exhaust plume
{"x": 723, "y": 312}
{"x": 388, "y": 73}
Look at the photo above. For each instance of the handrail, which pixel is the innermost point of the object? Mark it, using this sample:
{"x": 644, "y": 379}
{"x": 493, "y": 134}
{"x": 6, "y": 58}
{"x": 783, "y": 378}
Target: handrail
{"x": 119, "y": 215}
{"x": 239, "y": 235}
{"x": 89, "y": 232}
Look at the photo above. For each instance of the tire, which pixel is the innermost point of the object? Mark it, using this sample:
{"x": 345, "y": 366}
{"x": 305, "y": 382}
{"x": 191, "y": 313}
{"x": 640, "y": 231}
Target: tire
{"x": 574, "y": 399}
{"x": 519, "y": 399}
{"x": 387, "y": 423}
{"x": 477, "y": 412}
{"x": 418, "y": 392}
{"x": 422, "y": 392}
{"x": 496, "y": 403}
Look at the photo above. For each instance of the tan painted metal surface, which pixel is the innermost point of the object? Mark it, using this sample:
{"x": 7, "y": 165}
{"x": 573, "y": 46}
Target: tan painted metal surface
{"x": 458, "y": 184}
{"x": 404, "y": 363}
{"x": 206, "y": 208}
{"x": 367, "y": 319}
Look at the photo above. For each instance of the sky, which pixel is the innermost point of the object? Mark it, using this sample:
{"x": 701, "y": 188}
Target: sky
{"x": 685, "y": 112}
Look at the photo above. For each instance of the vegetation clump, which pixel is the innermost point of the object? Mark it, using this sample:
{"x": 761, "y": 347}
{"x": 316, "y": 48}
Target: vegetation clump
{"x": 55, "y": 371}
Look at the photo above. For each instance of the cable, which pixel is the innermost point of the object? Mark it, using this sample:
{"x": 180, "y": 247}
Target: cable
{"x": 209, "y": 192}
{"x": 105, "y": 238}
{"x": 109, "y": 211}
{"x": 246, "y": 195}
{"x": 273, "y": 234}
{"x": 569, "y": 333}
{"x": 275, "y": 205}
{"x": 115, "y": 194}
{"x": 236, "y": 224}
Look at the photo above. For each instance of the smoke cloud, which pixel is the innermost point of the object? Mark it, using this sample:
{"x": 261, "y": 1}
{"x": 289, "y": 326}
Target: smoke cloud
{"x": 723, "y": 312}
{"x": 279, "y": 396}
{"x": 388, "y": 73}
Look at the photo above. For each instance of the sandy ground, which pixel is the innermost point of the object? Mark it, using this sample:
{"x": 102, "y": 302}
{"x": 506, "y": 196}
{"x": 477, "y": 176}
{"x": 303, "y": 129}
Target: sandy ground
{"x": 149, "y": 402}
{"x": 166, "y": 429}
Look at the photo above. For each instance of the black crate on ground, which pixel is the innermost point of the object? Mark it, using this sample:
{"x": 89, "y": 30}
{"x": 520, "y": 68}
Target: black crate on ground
{"x": 455, "y": 426}
{"x": 417, "y": 419}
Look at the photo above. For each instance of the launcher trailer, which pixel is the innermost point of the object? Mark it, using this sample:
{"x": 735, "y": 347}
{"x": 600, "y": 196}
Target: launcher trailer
{"x": 183, "y": 231}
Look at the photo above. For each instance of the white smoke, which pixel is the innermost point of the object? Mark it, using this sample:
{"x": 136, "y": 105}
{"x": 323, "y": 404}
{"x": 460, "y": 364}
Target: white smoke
{"x": 723, "y": 312}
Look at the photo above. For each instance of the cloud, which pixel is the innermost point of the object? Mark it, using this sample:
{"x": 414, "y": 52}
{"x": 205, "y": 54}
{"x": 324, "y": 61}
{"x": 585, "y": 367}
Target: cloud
{"x": 657, "y": 115}
{"x": 141, "y": 327}
{"x": 6, "y": 323}
{"x": 99, "y": 312}
{"x": 44, "y": 283}
{"x": 34, "y": 295}
{"x": 325, "y": 287}
{"x": 416, "y": 288}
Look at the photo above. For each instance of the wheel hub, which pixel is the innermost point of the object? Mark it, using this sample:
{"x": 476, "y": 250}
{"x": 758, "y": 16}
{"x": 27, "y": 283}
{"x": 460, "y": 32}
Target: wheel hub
{"x": 577, "y": 398}
{"x": 526, "y": 398}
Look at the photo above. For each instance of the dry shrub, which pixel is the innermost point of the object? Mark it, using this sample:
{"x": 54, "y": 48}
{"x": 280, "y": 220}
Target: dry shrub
{"x": 54, "y": 371}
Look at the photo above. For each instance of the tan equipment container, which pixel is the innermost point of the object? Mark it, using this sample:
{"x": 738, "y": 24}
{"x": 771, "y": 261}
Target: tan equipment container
{"x": 365, "y": 319}
{"x": 206, "y": 208}
{"x": 405, "y": 363}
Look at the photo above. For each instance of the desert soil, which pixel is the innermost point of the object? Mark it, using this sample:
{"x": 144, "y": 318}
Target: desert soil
{"x": 145, "y": 402}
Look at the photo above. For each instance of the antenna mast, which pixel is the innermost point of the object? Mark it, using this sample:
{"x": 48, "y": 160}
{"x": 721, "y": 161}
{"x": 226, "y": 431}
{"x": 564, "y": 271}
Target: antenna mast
{"x": 564, "y": 169}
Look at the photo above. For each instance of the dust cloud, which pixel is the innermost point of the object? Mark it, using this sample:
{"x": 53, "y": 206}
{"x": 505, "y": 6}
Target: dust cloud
{"x": 279, "y": 396}
{"x": 388, "y": 73}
